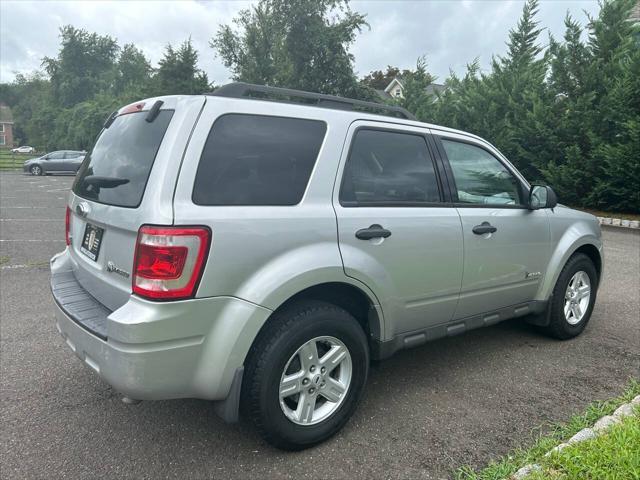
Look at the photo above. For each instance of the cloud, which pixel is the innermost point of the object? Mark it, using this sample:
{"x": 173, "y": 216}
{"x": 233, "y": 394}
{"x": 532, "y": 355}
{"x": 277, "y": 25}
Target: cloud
{"x": 450, "y": 33}
{"x": 30, "y": 29}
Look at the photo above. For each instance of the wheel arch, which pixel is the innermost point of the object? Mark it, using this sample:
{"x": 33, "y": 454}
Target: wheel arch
{"x": 570, "y": 244}
{"x": 360, "y": 304}
{"x": 594, "y": 254}
{"x": 355, "y": 299}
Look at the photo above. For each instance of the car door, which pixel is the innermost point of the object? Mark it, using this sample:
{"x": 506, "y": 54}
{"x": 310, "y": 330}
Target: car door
{"x": 72, "y": 161}
{"x": 66, "y": 165}
{"x": 506, "y": 245}
{"x": 54, "y": 161}
{"x": 395, "y": 232}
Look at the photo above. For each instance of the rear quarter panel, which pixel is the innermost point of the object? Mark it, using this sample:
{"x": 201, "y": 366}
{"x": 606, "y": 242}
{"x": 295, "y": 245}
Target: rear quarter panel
{"x": 266, "y": 254}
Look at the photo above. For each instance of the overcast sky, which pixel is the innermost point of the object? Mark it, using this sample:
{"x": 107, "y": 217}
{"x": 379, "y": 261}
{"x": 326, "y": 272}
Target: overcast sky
{"x": 450, "y": 33}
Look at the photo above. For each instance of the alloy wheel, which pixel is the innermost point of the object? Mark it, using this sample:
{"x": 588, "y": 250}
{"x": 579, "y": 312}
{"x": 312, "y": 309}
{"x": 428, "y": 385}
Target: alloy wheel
{"x": 577, "y": 297}
{"x": 315, "y": 380}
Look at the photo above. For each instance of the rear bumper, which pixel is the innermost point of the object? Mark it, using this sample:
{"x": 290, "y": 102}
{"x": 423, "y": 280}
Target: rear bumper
{"x": 153, "y": 351}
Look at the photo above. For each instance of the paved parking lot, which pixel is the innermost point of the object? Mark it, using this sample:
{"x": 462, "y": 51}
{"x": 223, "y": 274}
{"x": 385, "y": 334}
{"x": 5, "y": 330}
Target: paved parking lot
{"x": 463, "y": 400}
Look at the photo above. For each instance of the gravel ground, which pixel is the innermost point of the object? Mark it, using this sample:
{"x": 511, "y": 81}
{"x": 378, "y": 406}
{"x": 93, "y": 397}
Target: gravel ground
{"x": 462, "y": 400}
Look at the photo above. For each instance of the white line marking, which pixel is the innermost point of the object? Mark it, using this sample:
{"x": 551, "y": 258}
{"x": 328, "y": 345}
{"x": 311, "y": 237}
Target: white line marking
{"x": 33, "y": 240}
{"x": 12, "y": 267}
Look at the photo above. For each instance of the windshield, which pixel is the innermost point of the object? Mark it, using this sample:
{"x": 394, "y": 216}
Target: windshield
{"x": 117, "y": 169}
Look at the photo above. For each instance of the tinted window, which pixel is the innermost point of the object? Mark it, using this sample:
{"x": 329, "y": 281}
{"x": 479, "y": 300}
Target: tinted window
{"x": 117, "y": 169}
{"x": 480, "y": 177}
{"x": 55, "y": 156}
{"x": 388, "y": 168}
{"x": 257, "y": 160}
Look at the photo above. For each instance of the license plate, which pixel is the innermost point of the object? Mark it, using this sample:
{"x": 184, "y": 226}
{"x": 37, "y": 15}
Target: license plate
{"x": 91, "y": 241}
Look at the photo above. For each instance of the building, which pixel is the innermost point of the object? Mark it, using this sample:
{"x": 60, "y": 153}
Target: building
{"x": 6, "y": 127}
{"x": 635, "y": 13}
{"x": 395, "y": 89}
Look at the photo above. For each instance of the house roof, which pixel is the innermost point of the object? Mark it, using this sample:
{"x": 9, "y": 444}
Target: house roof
{"x": 383, "y": 93}
{"x": 392, "y": 84}
{"x": 435, "y": 88}
{"x": 5, "y": 114}
{"x": 431, "y": 89}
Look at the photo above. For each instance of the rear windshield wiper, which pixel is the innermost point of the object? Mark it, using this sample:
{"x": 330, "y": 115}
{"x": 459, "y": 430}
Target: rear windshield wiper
{"x": 104, "y": 182}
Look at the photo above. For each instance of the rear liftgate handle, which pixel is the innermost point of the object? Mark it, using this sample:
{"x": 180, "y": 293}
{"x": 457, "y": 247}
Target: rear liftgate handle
{"x": 374, "y": 231}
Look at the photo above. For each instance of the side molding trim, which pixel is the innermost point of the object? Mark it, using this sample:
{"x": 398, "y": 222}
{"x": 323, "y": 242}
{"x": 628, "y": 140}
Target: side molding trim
{"x": 381, "y": 350}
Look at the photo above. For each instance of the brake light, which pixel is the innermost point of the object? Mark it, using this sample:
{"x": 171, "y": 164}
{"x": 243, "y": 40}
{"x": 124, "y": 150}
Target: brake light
{"x": 169, "y": 261}
{"x": 132, "y": 108}
{"x": 67, "y": 226}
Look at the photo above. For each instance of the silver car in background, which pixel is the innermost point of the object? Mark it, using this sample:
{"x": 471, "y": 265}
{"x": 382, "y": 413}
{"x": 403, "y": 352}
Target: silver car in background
{"x": 247, "y": 249}
{"x": 61, "y": 161}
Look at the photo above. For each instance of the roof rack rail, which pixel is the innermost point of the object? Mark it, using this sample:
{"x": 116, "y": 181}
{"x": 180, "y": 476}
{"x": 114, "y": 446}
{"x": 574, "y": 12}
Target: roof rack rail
{"x": 287, "y": 95}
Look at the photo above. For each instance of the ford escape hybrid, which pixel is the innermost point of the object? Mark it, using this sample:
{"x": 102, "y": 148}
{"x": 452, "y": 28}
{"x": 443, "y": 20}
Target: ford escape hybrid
{"x": 258, "y": 247}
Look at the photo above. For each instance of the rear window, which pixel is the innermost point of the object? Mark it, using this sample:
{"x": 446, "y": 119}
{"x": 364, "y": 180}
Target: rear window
{"x": 117, "y": 169}
{"x": 257, "y": 160}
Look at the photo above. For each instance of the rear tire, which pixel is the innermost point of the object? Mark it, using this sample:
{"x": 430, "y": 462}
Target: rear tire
{"x": 286, "y": 390}
{"x": 573, "y": 298}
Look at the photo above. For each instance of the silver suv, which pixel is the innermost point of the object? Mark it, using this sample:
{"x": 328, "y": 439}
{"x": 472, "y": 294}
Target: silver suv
{"x": 258, "y": 247}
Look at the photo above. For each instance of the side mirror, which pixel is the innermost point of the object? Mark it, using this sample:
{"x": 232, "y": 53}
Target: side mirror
{"x": 541, "y": 196}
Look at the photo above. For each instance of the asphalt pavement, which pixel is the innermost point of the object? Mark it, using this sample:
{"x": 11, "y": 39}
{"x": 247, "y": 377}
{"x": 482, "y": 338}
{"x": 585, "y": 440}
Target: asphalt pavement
{"x": 458, "y": 401}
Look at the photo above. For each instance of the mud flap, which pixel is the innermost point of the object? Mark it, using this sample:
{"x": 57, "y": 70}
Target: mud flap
{"x": 229, "y": 408}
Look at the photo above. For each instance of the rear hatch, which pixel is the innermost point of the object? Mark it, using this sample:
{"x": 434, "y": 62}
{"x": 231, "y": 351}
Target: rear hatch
{"x": 127, "y": 180}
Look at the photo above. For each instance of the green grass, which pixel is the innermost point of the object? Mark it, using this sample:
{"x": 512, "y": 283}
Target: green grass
{"x": 542, "y": 443}
{"x": 610, "y": 456}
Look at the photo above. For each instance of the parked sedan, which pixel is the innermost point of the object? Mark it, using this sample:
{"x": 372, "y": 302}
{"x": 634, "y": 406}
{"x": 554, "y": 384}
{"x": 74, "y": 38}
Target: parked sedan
{"x": 62, "y": 161}
{"x": 23, "y": 149}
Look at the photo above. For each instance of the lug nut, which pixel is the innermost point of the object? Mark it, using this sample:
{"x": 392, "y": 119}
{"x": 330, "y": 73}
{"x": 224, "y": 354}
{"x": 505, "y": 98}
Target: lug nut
{"x": 305, "y": 381}
{"x": 322, "y": 385}
{"x": 313, "y": 368}
{"x": 323, "y": 369}
{"x": 312, "y": 390}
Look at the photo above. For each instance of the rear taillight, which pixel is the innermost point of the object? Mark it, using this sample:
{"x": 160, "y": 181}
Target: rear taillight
{"x": 169, "y": 261}
{"x": 67, "y": 226}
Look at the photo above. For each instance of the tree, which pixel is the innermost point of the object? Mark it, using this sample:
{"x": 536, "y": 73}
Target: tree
{"x": 593, "y": 162}
{"x": 415, "y": 83}
{"x": 178, "y": 72}
{"x": 133, "y": 73}
{"x": 300, "y": 44}
{"x": 85, "y": 65}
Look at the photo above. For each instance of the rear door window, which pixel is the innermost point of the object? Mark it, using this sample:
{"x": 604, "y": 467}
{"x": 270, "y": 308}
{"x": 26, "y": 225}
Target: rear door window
{"x": 117, "y": 169}
{"x": 389, "y": 169}
{"x": 257, "y": 160}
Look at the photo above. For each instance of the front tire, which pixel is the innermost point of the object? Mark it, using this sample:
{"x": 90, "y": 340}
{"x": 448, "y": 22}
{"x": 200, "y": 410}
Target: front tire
{"x": 573, "y": 298}
{"x": 36, "y": 170}
{"x": 305, "y": 374}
